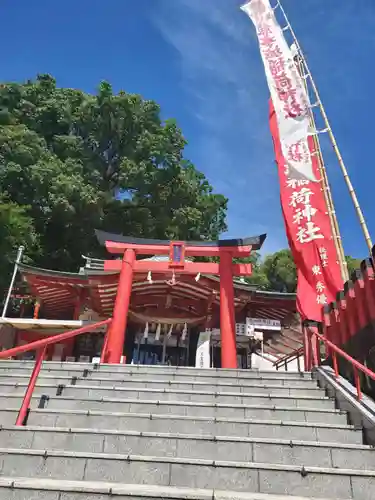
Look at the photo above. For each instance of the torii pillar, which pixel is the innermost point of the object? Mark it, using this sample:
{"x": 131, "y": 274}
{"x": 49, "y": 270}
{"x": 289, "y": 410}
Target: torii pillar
{"x": 117, "y": 328}
{"x": 227, "y": 315}
{"x": 129, "y": 248}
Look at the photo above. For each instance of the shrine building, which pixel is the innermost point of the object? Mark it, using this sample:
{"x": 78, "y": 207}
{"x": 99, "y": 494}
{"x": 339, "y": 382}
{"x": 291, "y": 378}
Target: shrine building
{"x": 161, "y": 298}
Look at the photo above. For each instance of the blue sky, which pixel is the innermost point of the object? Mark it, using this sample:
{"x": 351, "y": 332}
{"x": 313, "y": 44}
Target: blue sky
{"x": 200, "y": 61}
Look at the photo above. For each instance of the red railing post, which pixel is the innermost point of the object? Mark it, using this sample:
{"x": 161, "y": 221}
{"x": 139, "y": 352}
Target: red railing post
{"x": 307, "y": 349}
{"x": 30, "y": 388}
{"x": 104, "y": 354}
{"x": 335, "y": 365}
{"x": 357, "y": 383}
{"x": 316, "y": 350}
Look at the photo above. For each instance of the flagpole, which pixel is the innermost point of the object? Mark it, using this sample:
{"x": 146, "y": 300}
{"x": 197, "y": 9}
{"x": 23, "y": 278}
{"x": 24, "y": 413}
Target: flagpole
{"x": 330, "y": 133}
{"x": 326, "y": 187}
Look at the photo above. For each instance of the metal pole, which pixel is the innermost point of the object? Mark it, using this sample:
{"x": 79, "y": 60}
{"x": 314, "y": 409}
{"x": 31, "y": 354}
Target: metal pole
{"x": 18, "y": 260}
{"x": 331, "y": 136}
{"x": 326, "y": 187}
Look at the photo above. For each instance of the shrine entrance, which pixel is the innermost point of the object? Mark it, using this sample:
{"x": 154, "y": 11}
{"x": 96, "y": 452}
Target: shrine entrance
{"x": 178, "y": 263}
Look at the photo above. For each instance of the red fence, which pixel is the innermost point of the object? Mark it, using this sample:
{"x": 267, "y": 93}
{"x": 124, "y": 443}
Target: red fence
{"x": 345, "y": 338}
{"x": 354, "y": 309}
{"x": 40, "y": 347}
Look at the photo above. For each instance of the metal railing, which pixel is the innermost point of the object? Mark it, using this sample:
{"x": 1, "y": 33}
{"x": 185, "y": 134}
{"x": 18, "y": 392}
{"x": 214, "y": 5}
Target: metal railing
{"x": 288, "y": 358}
{"x": 40, "y": 346}
{"x": 333, "y": 351}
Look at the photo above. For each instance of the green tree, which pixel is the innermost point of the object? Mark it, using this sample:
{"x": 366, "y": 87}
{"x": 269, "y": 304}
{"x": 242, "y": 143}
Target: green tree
{"x": 352, "y": 263}
{"x": 277, "y": 272}
{"x": 72, "y": 162}
{"x": 16, "y": 229}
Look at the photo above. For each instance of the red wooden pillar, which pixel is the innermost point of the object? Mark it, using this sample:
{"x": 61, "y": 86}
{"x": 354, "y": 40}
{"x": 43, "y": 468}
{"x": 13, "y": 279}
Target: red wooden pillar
{"x": 227, "y": 316}
{"x": 116, "y": 334}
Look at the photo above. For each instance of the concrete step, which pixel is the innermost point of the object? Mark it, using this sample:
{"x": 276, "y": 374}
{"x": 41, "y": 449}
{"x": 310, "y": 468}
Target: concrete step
{"x": 174, "y": 407}
{"x": 235, "y": 396}
{"x": 18, "y": 488}
{"x": 209, "y": 378}
{"x": 196, "y": 446}
{"x": 260, "y": 407}
{"x": 98, "y": 379}
{"x": 181, "y": 424}
{"x": 168, "y": 471}
{"x": 167, "y": 370}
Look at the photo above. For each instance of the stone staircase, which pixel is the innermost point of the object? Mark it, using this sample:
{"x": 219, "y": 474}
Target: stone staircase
{"x": 115, "y": 432}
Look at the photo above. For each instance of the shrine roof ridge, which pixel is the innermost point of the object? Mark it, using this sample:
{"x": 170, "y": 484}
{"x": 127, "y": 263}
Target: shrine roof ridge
{"x": 255, "y": 242}
{"x": 27, "y": 269}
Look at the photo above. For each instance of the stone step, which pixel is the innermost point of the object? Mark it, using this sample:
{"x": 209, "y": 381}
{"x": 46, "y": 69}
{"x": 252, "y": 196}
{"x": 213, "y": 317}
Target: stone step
{"x": 18, "y": 488}
{"x": 172, "y": 406}
{"x": 86, "y": 389}
{"x": 255, "y": 428}
{"x": 96, "y": 378}
{"x": 196, "y": 446}
{"x": 191, "y": 377}
{"x": 157, "y": 369}
{"x": 168, "y": 471}
{"x": 260, "y": 407}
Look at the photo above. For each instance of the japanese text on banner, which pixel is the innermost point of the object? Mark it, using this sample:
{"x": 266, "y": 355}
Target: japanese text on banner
{"x": 287, "y": 89}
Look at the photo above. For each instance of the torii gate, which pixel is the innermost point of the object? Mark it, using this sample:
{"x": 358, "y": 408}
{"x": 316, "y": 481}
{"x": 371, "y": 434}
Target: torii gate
{"x": 130, "y": 248}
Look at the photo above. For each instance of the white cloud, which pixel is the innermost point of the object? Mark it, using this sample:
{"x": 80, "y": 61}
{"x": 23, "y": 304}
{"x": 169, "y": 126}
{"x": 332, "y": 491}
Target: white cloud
{"x": 223, "y": 77}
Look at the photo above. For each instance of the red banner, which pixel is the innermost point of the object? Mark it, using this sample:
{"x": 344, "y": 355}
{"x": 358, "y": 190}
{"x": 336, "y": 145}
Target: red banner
{"x": 309, "y": 233}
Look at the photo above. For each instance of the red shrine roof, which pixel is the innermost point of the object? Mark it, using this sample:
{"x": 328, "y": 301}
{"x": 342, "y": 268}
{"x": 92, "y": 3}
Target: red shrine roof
{"x": 188, "y": 300}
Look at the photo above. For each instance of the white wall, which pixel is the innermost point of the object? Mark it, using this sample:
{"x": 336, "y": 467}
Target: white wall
{"x": 263, "y": 364}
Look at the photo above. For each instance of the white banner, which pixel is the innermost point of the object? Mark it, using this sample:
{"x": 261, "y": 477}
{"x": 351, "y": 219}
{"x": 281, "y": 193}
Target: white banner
{"x": 287, "y": 90}
{"x": 202, "y": 357}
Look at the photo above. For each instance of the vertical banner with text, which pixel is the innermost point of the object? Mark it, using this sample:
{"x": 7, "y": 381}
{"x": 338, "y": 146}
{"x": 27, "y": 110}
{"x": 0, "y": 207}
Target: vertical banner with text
{"x": 304, "y": 207}
{"x": 286, "y": 88}
{"x": 309, "y": 233}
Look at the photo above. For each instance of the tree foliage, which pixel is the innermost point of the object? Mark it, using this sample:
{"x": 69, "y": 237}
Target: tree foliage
{"x": 71, "y": 162}
{"x": 277, "y": 272}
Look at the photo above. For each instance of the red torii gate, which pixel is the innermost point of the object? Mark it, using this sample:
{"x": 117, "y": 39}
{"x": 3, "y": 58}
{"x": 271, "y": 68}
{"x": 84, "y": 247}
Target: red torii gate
{"x": 130, "y": 248}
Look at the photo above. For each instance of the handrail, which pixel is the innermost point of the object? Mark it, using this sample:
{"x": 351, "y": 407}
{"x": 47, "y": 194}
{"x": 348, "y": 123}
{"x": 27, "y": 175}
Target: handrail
{"x": 41, "y": 346}
{"x": 288, "y": 358}
{"x": 356, "y": 365}
{"x": 37, "y": 344}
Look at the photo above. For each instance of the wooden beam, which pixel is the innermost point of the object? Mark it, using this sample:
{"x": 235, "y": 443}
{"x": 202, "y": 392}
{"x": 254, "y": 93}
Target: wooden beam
{"x": 277, "y": 351}
{"x": 159, "y": 301}
{"x": 265, "y": 357}
{"x": 144, "y": 266}
{"x": 284, "y": 344}
{"x": 53, "y": 285}
{"x": 292, "y": 339}
{"x": 190, "y": 251}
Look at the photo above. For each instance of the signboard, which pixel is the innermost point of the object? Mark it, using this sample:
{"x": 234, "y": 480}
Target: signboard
{"x": 202, "y": 358}
{"x": 263, "y": 324}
